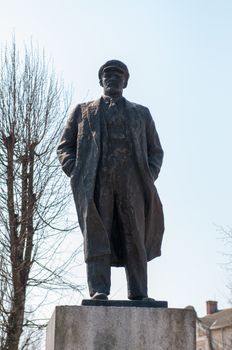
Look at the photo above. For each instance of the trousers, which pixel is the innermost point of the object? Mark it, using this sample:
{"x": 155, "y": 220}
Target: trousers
{"x": 119, "y": 198}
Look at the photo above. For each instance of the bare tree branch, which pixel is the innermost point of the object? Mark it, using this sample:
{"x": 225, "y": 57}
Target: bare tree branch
{"x": 33, "y": 193}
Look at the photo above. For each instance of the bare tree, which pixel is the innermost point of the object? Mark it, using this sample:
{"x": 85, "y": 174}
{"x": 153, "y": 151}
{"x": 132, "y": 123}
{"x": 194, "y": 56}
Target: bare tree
{"x": 33, "y": 197}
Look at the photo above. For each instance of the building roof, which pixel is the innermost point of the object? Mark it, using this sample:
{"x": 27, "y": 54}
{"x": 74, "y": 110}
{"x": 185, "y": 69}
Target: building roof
{"x": 220, "y": 319}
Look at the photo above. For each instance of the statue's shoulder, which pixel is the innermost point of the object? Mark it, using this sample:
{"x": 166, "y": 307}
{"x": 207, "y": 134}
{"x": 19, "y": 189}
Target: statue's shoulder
{"x": 82, "y": 109}
{"x": 90, "y": 104}
{"x": 139, "y": 108}
{"x": 86, "y": 104}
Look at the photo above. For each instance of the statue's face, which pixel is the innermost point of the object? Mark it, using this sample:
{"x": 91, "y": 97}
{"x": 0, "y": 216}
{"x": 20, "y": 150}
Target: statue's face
{"x": 113, "y": 82}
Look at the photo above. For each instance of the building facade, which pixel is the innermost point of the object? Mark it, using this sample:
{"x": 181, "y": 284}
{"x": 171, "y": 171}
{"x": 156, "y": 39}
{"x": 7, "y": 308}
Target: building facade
{"x": 214, "y": 331}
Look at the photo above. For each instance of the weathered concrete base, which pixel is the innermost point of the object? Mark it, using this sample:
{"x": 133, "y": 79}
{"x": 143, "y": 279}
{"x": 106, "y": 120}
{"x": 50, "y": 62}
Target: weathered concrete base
{"x": 120, "y": 328}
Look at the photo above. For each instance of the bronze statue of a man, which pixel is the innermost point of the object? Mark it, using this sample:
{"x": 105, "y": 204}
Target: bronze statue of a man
{"x": 111, "y": 151}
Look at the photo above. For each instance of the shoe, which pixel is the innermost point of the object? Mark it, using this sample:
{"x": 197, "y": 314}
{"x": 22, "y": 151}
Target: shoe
{"x": 147, "y": 299}
{"x": 100, "y": 296}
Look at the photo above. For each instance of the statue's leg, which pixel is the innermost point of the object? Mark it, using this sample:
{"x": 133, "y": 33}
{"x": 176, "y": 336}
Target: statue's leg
{"x": 98, "y": 275}
{"x": 130, "y": 205}
{"x": 98, "y": 268}
{"x": 135, "y": 257}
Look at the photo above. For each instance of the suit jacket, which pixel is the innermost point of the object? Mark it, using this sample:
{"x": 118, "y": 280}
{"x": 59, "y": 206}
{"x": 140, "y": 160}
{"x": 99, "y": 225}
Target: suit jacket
{"x": 79, "y": 152}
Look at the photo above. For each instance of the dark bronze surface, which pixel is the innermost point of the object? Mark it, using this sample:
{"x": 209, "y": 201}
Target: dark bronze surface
{"x": 125, "y": 303}
{"x": 111, "y": 151}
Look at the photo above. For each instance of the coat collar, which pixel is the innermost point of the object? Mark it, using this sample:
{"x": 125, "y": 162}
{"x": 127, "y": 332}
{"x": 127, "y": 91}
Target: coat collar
{"x": 92, "y": 109}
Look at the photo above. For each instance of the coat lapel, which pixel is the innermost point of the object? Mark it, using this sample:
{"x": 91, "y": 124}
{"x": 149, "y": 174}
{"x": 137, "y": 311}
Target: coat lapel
{"x": 92, "y": 113}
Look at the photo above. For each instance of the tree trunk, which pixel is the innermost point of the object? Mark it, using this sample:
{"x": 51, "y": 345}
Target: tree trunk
{"x": 15, "y": 322}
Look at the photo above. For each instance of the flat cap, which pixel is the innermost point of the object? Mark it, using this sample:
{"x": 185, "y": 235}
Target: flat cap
{"x": 116, "y": 64}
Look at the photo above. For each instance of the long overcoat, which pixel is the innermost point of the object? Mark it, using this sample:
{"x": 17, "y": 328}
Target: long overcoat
{"x": 79, "y": 152}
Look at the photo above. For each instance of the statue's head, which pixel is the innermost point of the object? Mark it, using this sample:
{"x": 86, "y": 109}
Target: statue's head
{"x": 114, "y": 65}
{"x": 113, "y": 77}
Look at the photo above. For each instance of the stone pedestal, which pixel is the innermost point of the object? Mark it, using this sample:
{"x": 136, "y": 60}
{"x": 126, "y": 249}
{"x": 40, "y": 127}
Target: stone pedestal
{"x": 120, "y": 328}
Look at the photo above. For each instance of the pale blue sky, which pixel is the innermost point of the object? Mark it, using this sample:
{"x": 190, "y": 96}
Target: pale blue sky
{"x": 179, "y": 54}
